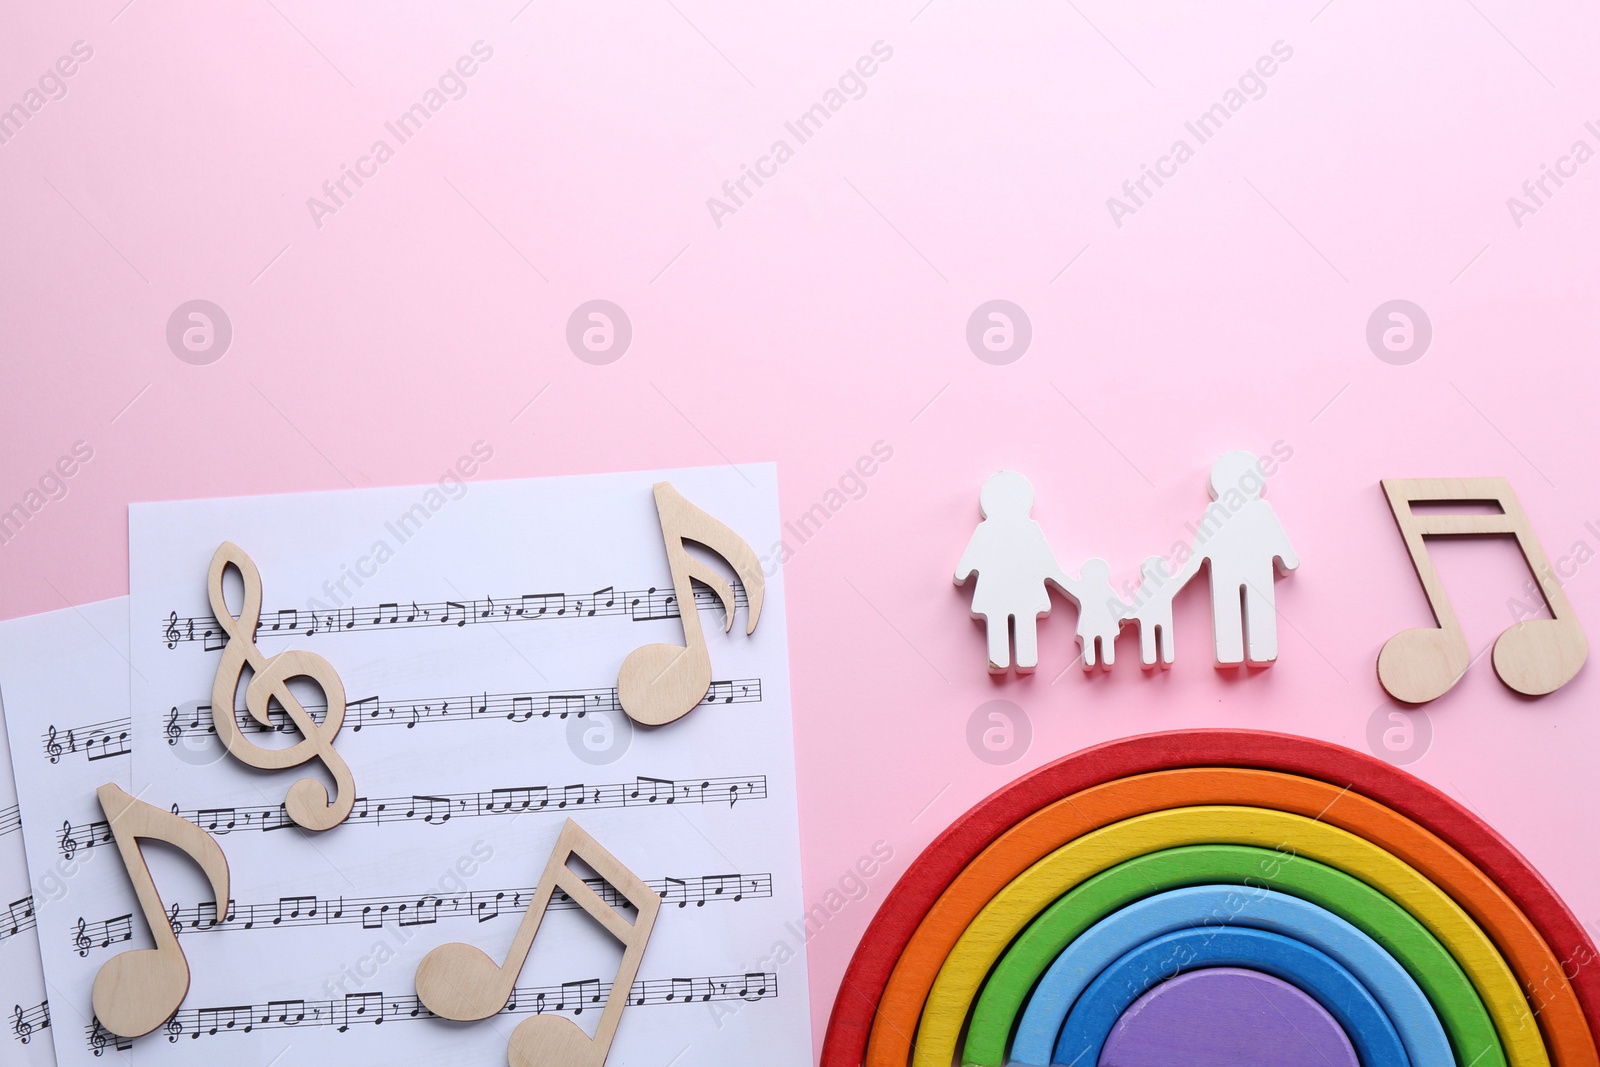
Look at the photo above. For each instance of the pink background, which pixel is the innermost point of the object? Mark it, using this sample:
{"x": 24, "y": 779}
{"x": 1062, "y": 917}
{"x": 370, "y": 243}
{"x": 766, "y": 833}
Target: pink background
{"x": 829, "y": 313}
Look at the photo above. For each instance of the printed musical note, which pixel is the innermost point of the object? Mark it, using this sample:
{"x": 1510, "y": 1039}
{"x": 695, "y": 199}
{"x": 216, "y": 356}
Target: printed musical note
{"x": 660, "y": 683}
{"x": 138, "y": 990}
{"x": 307, "y": 802}
{"x": 21, "y": 912}
{"x": 460, "y": 982}
{"x": 1533, "y": 657}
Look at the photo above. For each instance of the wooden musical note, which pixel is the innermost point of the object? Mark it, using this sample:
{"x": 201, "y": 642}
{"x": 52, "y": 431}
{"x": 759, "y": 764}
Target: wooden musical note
{"x": 138, "y": 990}
{"x": 460, "y": 982}
{"x": 307, "y": 802}
{"x": 1533, "y": 657}
{"x": 661, "y": 683}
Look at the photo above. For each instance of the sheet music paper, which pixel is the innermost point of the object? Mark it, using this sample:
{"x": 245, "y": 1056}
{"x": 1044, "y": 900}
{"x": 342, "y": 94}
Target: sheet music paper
{"x": 64, "y": 682}
{"x": 478, "y": 630}
{"x": 22, "y": 989}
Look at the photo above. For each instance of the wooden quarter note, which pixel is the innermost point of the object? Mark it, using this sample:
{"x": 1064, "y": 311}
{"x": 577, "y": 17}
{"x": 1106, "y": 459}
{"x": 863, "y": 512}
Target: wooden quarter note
{"x": 307, "y": 802}
{"x": 138, "y": 990}
{"x": 1533, "y": 657}
{"x": 661, "y": 683}
{"x": 461, "y": 982}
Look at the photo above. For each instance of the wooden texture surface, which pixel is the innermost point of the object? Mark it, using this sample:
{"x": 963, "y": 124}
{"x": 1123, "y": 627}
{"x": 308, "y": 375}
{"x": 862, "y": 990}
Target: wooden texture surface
{"x": 1213, "y": 908}
{"x": 660, "y": 683}
{"x": 908, "y": 903}
{"x": 461, "y": 982}
{"x": 1466, "y": 1021}
{"x": 1317, "y": 974}
{"x": 1227, "y": 1017}
{"x": 1009, "y": 911}
{"x": 1533, "y": 656}
{"x": 138, "y": 990}
{"x": 1047, "y": 829}
{"x": 307, "y": 801}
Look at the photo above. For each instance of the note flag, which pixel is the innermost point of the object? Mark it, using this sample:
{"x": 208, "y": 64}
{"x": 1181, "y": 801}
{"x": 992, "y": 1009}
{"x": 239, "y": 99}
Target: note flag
{"x": 307, "y": 802}
{"x": 460, "y": 982}
{"x": 1533, "y": 657}
{"x": 138, "y": 990}
{"x": 661, "y": 683}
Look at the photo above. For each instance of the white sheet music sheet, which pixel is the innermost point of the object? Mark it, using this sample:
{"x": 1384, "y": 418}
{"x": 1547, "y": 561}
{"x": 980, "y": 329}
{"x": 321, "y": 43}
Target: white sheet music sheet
{"x": 22, "y": 992}
{"x": 64, "y": 681}
{"x": 471, "y": 625}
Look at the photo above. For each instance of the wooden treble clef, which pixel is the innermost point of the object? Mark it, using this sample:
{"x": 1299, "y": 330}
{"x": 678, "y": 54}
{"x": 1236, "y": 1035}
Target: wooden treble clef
{"x": 307, "y": 802}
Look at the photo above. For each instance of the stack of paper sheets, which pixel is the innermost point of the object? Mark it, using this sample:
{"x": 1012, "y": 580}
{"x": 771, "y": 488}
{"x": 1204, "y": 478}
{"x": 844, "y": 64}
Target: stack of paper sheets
{"x": 478, "y": 630}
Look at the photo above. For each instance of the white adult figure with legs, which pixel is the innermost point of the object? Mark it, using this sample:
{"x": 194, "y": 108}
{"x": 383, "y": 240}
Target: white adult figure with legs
{"x": 1241, "y": 539}
{"x": 1013, "y": 561}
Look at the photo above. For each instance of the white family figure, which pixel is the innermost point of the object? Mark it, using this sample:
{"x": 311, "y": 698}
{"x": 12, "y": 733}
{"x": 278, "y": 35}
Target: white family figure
{"x": 1154, "y": 616}
{"x": 1244, "y": 544}
{"x": 1238, "y": 538}
{"x": 1012, "y": 560}
{"x": 1100, "y": 614}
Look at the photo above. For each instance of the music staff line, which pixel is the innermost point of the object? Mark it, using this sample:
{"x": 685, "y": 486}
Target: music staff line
{"x": 21, "y": 918}
{"x": 415, "y": 910}
{"x": 355, "y": 1009}
{"x": 102, "y": 740}
{"x": 514, "y": 707}
{"x": 11, "y": 818}
{"x": 644, "y": 791}
{"x": 641, "y": 605}
{"x": 25, "y": 1022}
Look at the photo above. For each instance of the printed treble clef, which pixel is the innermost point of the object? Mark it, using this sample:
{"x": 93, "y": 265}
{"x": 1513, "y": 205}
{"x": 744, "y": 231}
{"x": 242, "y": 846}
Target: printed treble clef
{"x": 174, "y": 921}
{"x": 69, "y": 844}
{"x": 174, "y": 731}
{"x": 307, "y": 801}
{"x": 172, "y": 633}
{"x": 174, "y": 1029}
{"x": 22, "y": 1027}
{"x": 80, "y": 940}
{"x": 52, "y": 747}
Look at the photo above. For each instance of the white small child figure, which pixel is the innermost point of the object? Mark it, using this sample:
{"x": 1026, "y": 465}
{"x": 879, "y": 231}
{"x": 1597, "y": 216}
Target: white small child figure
{"x": 1100, "y": 614}
{"x": 1012, "y": 559}
{"x": 1154, "y": 613}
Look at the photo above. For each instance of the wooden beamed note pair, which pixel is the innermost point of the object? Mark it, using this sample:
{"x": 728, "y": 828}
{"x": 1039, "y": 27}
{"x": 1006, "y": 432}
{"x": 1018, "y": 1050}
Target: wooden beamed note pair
{"x": 140, "y": 989}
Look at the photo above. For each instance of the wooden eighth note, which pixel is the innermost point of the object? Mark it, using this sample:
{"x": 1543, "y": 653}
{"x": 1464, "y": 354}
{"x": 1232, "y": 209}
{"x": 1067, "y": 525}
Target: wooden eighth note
{"x": 1533, "y": 657}
{"x": 307, "y": 802}
{"x": 138, "y": 990}
{"x": 461, "y": 982}
{"x": 661, "y": 683}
